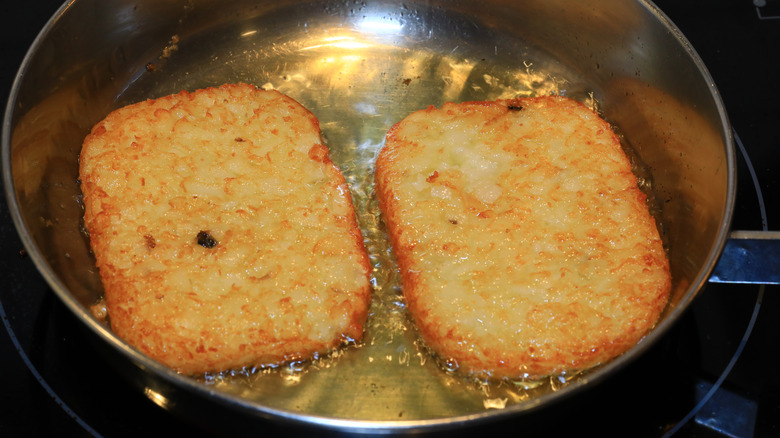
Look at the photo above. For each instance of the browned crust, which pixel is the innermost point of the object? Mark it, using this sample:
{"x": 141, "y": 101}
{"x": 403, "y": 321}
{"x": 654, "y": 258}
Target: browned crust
{"x": 219, "y": 327}
{"x": 555, "y": 337}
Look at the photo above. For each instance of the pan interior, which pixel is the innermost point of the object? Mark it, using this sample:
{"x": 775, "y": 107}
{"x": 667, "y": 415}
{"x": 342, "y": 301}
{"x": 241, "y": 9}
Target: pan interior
{"x": 360, "y": 67}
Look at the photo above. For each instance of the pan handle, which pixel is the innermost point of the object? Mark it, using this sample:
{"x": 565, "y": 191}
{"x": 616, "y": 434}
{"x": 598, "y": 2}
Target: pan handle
{"x": 749, "y": 257}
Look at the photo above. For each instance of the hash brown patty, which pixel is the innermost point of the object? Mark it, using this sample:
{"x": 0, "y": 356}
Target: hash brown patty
{"x": 224, "y": 235}
{"x": 525, "y": 246}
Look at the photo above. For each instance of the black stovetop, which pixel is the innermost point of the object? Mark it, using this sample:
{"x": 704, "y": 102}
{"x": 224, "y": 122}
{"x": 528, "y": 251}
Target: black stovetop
{"x": 53, "y": 382}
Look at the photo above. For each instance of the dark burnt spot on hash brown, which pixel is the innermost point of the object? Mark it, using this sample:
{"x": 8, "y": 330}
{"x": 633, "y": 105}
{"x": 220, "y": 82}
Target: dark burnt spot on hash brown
{"x": 150, "y": 241}
{"x": 206, "y": 240}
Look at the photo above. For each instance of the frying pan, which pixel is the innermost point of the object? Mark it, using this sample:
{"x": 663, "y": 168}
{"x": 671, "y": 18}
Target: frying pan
{"x": 360, "y": 66}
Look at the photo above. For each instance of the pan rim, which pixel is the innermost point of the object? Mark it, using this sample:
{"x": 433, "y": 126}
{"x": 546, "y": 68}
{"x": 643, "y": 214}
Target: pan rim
{"x": 142, "y": 361}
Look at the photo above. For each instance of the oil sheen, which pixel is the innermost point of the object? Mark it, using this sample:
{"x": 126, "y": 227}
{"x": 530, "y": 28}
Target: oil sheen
{"x": 358, "y": 81}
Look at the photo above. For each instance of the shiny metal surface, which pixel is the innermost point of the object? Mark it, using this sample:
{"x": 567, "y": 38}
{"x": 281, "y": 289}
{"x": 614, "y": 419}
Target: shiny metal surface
{"x": 749, "y": 257}
{"x": 361, "y": 66}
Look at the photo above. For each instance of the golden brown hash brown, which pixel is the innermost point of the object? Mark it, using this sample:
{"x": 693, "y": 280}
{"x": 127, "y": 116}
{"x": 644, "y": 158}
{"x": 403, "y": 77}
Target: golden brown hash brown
{"x": 525, "y": 246}
{"x": 224, "y": 235}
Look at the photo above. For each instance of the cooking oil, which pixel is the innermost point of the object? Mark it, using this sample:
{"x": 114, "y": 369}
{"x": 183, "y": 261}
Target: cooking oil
{"x": 359, "y": 80}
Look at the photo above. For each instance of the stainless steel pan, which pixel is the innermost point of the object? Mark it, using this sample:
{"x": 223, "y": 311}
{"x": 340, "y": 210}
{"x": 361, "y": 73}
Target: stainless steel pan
{"x": 361, "y": 66}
